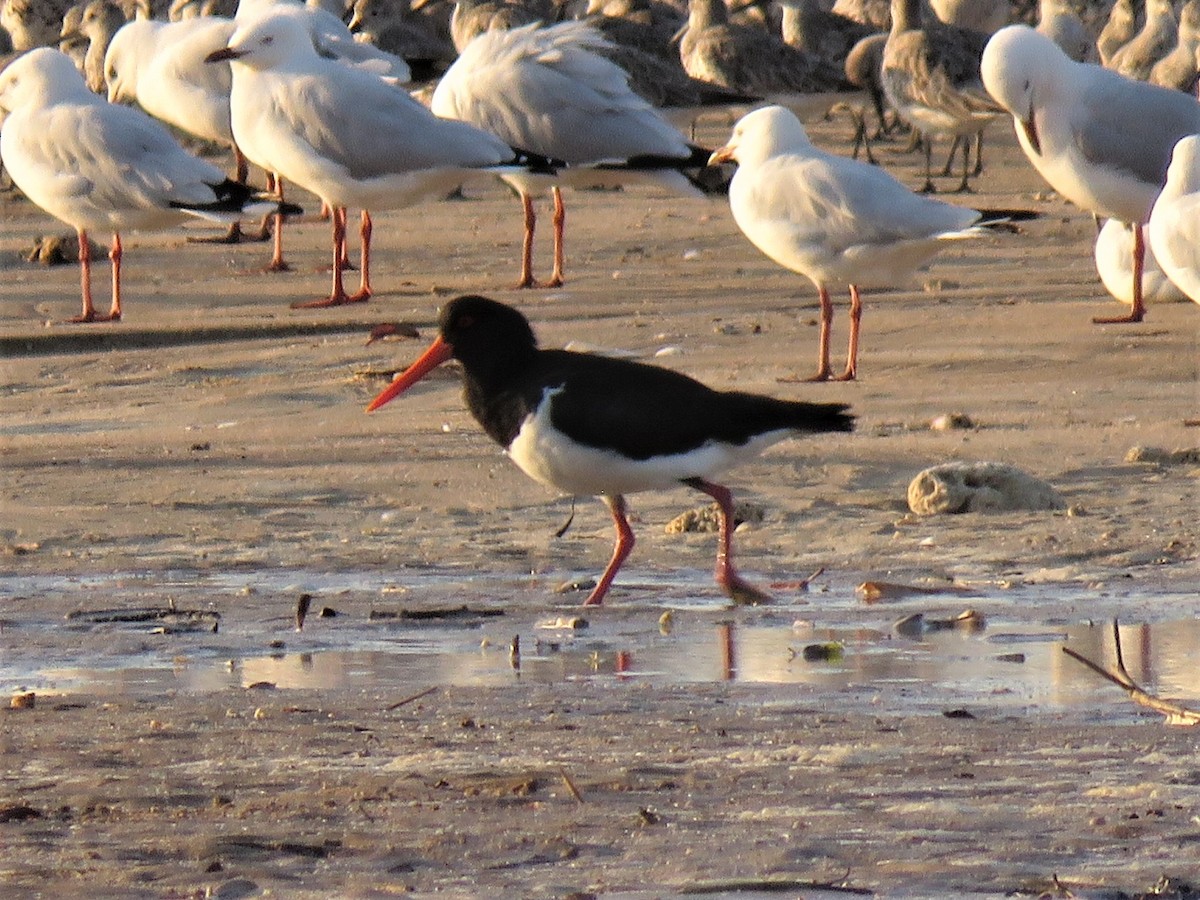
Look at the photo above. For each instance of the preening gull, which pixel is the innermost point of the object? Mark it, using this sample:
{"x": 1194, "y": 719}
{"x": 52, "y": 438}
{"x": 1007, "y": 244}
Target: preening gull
{"x": 551, "y": 91}
{"x": 1101, "y": 140}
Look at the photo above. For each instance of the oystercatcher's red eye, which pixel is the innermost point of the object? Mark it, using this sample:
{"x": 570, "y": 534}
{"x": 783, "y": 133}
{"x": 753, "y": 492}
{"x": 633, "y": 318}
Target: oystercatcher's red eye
{"x": 466, "y": 321}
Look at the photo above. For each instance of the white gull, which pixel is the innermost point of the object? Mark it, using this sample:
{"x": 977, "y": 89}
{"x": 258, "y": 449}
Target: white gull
{"x": 342, "y": 133}
{"x": 1175, "y": 221}
{"x": 98, "y": 166}
{"x": 551, "y": 91}
{"x": 835, "y": 220}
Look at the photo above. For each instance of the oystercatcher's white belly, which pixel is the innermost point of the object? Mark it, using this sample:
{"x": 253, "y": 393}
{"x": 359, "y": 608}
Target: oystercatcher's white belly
{"x": 547, "y": 455}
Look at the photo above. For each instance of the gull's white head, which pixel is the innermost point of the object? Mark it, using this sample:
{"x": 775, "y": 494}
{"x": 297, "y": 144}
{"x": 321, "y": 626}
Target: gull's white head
{"x": 124, "y": 56}
{"x": 268, "y": 41}
{"x": 1020, "y": 68}
{"x": 1183, "y": 177}
{"x": 762, "y": 134}
{"x": 43, "y": 75}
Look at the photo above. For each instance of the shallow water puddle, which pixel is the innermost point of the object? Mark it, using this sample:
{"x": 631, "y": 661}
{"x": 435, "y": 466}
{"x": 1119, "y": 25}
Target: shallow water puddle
{"x": 919, "y": 653}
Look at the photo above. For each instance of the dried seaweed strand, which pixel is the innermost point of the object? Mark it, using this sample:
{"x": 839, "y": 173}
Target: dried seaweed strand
{"x": 1175, "y": 713}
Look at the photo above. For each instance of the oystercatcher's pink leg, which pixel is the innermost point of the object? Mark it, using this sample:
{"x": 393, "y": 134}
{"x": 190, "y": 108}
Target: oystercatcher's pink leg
{"x": 728, "y": 651}
{"x": 625, "y": 541}
{"x": 736, "y": 587}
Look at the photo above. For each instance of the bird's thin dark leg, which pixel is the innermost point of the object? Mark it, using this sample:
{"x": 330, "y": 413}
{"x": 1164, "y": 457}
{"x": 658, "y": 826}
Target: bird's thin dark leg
{"x": 949, "y": 166}
{"x": 927, "y": 187}
{"x": 964, "y": 186}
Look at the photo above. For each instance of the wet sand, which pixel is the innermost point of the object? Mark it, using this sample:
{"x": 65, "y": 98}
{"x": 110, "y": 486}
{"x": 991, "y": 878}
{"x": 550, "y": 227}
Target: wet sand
{"x": 217, "y": 431}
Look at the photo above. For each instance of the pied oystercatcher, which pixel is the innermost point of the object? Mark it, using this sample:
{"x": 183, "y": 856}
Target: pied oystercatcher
{"x": 588, "y": 424}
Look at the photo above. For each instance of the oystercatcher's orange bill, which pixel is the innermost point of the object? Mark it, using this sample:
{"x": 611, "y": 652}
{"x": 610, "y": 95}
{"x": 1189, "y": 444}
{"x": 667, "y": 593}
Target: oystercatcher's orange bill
{"x": 439, "y": 351}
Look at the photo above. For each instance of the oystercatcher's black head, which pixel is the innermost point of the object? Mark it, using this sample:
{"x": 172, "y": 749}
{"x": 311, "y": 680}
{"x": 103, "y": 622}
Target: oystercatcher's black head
{"x": 486, "y": 335}
{"x": 492, "y": 341}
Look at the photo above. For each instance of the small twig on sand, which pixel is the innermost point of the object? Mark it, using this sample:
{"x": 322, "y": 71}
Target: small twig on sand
{"x": 302, "y": 610}
{"x": 567, "y": 780}
{"x": 416, "y": 696}
{"x": 805, "y": 582}
{"x": 1175, "y": 713}
{"x": 770, "y": 885}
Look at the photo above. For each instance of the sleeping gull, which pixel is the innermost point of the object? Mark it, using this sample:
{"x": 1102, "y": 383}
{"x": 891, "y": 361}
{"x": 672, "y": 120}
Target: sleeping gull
{"x": 342, "y": 133}
{"x": 98, "y": 166}
{"x": 1101, "y": 140}
{"x": 835, "y": 220}
{"x": 551, "y": 91}
{"x": 1175, "y": 221}
{"x": 160, "y": 66}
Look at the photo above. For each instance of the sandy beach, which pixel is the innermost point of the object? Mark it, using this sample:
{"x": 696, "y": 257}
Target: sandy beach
{"x": 217, "y": 434}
